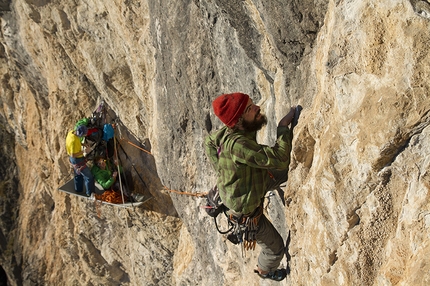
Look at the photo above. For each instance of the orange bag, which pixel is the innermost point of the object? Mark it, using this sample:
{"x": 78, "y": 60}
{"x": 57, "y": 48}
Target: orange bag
{"x": 111, "y": 197}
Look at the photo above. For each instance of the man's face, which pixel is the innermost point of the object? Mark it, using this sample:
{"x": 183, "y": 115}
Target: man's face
{"x": 253, "y": 119}
{"x": 101, "y": 163}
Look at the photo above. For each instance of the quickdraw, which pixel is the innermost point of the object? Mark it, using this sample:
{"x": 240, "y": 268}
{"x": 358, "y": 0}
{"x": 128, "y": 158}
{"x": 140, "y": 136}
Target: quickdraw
{"x": 245, "y": 229}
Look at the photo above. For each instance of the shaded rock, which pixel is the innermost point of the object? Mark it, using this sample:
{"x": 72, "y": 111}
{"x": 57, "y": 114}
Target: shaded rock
{"x": 356, "y": 199}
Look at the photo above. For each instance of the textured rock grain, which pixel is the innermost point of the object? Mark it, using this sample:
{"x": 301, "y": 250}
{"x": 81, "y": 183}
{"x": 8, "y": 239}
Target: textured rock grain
{"x": 357, "y": 200}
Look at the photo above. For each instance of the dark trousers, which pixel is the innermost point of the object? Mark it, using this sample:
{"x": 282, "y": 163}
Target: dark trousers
{"x": 271, "y": 243}
{"x": 83, "y": 174}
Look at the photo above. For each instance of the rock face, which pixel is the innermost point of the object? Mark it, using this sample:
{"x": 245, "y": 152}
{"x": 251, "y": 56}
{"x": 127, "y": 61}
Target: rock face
{"x": 357, "y": 200}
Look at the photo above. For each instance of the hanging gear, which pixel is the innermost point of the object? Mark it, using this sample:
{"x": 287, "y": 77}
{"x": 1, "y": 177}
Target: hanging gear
{"x": 245, "y": 228}
{"x": 214, "y": 205}
{"x": 242, "y": 228}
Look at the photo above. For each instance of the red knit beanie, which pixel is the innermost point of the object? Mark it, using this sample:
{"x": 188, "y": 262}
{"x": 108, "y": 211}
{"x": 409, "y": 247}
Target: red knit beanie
{"x": 229, "y": 107}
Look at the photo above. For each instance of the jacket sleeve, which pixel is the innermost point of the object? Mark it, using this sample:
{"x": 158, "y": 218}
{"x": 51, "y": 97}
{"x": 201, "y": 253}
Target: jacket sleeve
{"x": 249, "y": 152}
{"x": 212, "y": 145}
{"x": 211, "y": 150}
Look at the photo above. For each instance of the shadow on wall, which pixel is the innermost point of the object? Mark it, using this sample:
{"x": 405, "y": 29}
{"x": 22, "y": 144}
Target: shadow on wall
{"x": 3, "y": 277}
{"x": 137, "y": 159}
{"x": 9, "y": 207}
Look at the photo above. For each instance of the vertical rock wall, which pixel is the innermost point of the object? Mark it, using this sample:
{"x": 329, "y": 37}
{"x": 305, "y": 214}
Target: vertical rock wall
{"x": 357, "y": 167}
{"x": 357, "y": 198}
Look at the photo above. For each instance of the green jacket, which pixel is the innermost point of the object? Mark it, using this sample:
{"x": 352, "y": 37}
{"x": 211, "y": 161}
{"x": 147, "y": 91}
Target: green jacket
{"x": 242, "y": 165}
{"x": 103, "y": 177}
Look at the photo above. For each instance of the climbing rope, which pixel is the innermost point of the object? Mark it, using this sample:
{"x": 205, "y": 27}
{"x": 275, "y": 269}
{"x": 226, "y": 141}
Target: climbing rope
{"x": 134, "y": 145}
{"x": 199, "y": 195}
{"x": 117, "y": 166}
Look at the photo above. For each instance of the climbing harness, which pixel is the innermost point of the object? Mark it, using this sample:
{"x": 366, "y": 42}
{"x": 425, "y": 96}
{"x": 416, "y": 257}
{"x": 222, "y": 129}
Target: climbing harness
{"x": 245, "y": 228}
{"x": 241, "y": 228}
{"x": 79, "y": 166}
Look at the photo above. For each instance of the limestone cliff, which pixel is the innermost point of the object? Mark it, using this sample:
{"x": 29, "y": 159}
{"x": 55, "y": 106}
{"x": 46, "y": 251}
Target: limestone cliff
{"x": 357, "y": 200}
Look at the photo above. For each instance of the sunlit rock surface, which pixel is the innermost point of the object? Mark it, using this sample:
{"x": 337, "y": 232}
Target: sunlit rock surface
{"x": 357, "y": 200}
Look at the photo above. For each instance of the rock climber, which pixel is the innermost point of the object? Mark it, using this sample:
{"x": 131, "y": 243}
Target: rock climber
{"x": 107, "y": 177}
{"x": 78, "y": 160}
{"x": 103, "y": 174}
{"x": 243, "y": 171}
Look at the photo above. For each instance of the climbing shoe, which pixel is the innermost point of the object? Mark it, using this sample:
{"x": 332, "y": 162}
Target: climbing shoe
{"x": 277, "y": 275}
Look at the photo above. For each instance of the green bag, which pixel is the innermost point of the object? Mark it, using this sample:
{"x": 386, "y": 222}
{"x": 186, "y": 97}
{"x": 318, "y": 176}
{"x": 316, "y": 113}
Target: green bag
{"x": 83, "y": 121}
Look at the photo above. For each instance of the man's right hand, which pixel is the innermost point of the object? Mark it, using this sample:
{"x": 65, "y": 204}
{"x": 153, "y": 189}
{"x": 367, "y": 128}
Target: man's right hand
{"x": 288, "y": 118}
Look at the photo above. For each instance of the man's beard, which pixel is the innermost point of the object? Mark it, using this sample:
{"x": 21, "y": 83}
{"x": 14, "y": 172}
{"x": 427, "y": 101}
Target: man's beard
{"x": 256, "y": 124}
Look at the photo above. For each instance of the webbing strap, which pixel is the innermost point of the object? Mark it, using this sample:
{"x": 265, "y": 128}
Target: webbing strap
{"x": 79, "y": 166}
